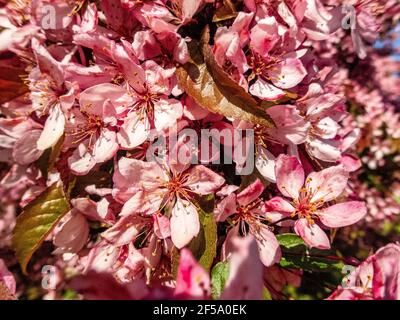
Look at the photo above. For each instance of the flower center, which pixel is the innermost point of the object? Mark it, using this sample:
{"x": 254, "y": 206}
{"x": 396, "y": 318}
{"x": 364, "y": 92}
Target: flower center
{"x": 262, "y": 66}
{"x": 174, "y": 186}
{"x": 87, "y": 130}
{"x": 250, "y": 213}
{"x": 145, "y": 105}
{"x": 304, "y": 207}
{"x": 44, "y": 91}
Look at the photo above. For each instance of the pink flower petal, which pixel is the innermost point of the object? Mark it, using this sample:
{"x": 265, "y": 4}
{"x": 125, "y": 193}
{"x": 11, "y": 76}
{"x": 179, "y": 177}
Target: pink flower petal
{"x": 312, "y": 234}
{"x": 134, "y": 131}
{"x": 185, "y": 223}
{"x": 225, "y": 208}
{"x": 132, "y": 172}
{"x": 81, "y": 161}
{"x": 327, "y": 184}
{"x": 386, "y": 279}
{"x": 280, "y": 205}
{"x": 166, "y": 113}
{"x": 265, "y": 163}
{"x": 287, "y": 74}
{"x": 203, "y": 181}
{"x": 72, "y": 234}
{"x": 343, "y": 214}
{"x": 268, "y": 247}
{"x": 103, "y": 257}
{"x": 350, "y": 163}
{"x": 325, "y": 150}
{"x": 92, "y": 99}
{"x": 250, "y": 193}
{"x": 243, "y": 259}
{"x": 47, "y": 63}
{"x": 289, "y": 176}
{"x": 162, "y": 227}
{"x": 143, "y": 202}
{"x": 106, "y": 146}
{"x": 125, "y": 230}
{"x": 189, "y": 8}
{"x": 192, "y": 282}
{"x": 145, "y": 45}
{"x": 25, "y": 151}
{"x": 53, "y": 129}
{"x": 265, "y": 90}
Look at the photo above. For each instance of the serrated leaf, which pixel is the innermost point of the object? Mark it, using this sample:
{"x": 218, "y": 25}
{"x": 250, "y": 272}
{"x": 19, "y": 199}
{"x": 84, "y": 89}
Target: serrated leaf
{"x": 295, "y": 254}
{"x": 219, "y": 276}
{"x": 212, "y": 88}
{"x": 37, "y": 220}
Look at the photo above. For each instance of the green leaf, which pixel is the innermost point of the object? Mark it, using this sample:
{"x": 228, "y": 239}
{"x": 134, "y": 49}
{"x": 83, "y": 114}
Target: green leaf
{"x": 43, "y": 163}
{"x": 219, "y": 276}
{"x": 266, "y": 294}
{"x": 397, "y": 228}
{"x": 70, "y": 294}
{"x": 204, "y": 246}
{"x": 310, "y": 263}
{"x": 295, "y": 254}
{"x": 36, "y": 222}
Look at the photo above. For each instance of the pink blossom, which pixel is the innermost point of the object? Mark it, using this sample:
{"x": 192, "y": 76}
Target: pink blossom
{"x": 377, "y": 278}
{"x": 308, "y": 202}
{"x": 168, "y": 185}
{"x": 275, "y": 64}
{"x": 192, "y": 281}
{"x": 245, "y": 209}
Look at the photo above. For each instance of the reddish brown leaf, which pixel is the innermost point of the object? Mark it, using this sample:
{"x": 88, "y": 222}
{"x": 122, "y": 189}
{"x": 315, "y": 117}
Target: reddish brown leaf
{"x": 212, "y": 88}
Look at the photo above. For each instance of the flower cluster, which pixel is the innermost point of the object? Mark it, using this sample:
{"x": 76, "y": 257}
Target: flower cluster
{"x": 150, "y": 142}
